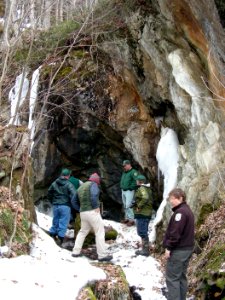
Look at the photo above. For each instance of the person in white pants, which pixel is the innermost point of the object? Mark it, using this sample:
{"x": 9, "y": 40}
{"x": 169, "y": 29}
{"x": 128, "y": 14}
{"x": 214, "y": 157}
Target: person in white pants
{"x": 88, "y": 202}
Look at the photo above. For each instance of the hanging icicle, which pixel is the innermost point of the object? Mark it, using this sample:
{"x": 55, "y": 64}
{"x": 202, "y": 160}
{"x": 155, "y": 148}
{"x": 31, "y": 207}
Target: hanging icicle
{"x": 167, "y": 156}
{"x": 17, "y": 95}
{"x": 33, "y": 98}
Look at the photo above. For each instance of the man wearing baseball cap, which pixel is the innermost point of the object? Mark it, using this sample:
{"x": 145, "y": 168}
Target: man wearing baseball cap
{"x": 143, "y": 212}
{"x": 128, "y": 186}
{"x": 60, "y": 194}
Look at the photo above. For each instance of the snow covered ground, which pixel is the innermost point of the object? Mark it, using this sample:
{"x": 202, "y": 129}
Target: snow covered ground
{"x": 50, "y": 272}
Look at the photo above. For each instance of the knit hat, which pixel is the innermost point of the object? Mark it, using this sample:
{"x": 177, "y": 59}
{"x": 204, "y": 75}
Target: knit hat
{"x": 141, "y": 178}
{"x": 65, "y": 172}
{"x": 95, "y": 178}
{"x": 126, "y": 162}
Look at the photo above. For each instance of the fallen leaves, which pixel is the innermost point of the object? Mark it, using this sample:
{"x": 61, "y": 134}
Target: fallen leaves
{"x": 13, "y": 221}
{"x": 211, "y": 236}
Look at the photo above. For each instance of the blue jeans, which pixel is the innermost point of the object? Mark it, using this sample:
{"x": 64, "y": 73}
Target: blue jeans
{"x": 61, "y": 219}
{"x": 127, "y": 198}
{"x": 142, "y": 227}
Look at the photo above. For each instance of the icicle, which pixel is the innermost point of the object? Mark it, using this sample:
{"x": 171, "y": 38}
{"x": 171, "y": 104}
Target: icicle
{"x": 167, "y": 156}
{"x": 33, "y": 98}
{"x": 17, "y": 96}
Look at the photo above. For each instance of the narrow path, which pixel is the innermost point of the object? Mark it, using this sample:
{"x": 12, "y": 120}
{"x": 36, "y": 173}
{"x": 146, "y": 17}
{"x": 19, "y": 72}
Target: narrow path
{"x": 142, "y": 273}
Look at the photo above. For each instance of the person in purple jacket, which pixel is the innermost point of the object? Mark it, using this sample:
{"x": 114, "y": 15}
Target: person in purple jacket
{"x": 179, "y": 244}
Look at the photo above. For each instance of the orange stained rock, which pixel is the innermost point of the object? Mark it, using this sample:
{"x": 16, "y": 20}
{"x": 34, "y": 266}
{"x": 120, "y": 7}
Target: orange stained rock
{"x": 185, "y": 19}
{"x": 128, "y": 105}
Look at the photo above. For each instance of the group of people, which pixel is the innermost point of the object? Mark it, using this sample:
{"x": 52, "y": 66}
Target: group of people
{"x": 137, "y": 202}
{"x": 179, "y": 237}
{"x": 85, "y": 199}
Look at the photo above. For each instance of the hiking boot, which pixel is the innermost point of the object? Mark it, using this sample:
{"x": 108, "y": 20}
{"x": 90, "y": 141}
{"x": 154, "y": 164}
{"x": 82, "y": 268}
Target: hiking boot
{"x": 106, "y": 258}
{"x": 124, "y": 221}
{"x": 76, "y": 255}
{"x": 53, "y": 235}
{"x": 59, "y": 240}
{"x": 130, "y": 223}
{"x": 165, "y": 292}
{"x": 142, "y": 252}
{"x": 145, "y": 248}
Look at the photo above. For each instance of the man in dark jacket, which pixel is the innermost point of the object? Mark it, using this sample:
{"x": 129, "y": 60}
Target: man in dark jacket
{"x": 128, "y": 186}
{"x": 60, "y": 194}
{"x": 179, "y": 244}
{"x": 143, "y": 212}
{"x": 89, "y": 207}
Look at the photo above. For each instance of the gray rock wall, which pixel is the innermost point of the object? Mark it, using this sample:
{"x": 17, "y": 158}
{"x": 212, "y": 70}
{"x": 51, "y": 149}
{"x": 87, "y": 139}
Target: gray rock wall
{"x": 165, "y": 62}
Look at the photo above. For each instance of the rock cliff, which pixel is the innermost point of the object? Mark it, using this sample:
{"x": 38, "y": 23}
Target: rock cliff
{"x": 104, "y": 90}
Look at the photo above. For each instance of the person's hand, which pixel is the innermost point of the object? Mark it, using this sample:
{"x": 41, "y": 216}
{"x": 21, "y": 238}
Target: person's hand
{"x": 167, "y": 253}
{"x": 97, "y": 210}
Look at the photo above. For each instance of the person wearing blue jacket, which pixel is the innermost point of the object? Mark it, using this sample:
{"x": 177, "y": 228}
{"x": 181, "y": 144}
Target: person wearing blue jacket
{"x": 60, "y": 194}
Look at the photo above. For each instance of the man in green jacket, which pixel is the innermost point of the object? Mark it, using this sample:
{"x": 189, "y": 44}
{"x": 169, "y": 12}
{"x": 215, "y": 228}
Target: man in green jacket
{"x": 128, "y": 186}
{"x": 76, "y": 183}
{"x": 60, "y": 194}
{"x": 143, "y": 212}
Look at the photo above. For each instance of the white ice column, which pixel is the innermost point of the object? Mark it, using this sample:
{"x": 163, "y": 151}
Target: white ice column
{"x": 167, "y": 156}
{"x": 17, "y": 95}
{"x": 33, "y": 99}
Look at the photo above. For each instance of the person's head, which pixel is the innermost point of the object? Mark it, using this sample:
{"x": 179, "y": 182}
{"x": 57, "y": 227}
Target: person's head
{"x": 65, "y": 173}
{"x": 127, "y": 165}
{"x": 95, "y": 178}
{"x": 176, "y": 197}
{"x": 140, "y": 179}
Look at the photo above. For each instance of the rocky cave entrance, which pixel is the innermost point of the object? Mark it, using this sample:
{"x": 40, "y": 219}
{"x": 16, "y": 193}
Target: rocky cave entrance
{"x": 86, "y": 144}
{"x": 84, "y": 150}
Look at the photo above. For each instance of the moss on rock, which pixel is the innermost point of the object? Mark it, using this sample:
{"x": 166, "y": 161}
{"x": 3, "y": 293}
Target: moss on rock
{"x": 110, "y": 233}
{"x": 15, "y": 225}
{"x": 207, "y": 269}
{"x": 86, "y": 294}
{"x": 115, "y": 286}
{"x": 6, "y": 164}
{"x": 214, "y": 259}
{"x": 206, "y": 209}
